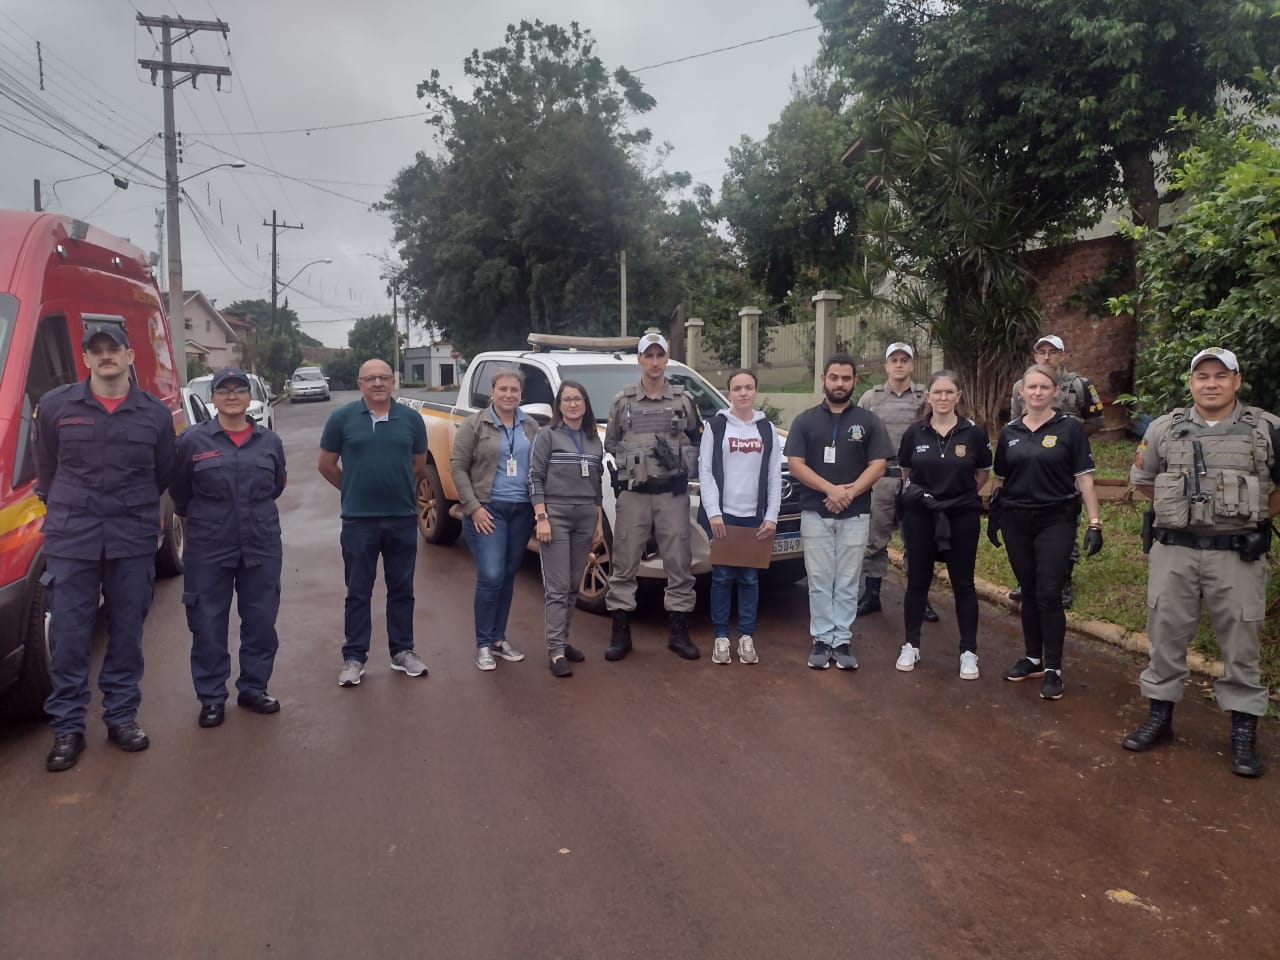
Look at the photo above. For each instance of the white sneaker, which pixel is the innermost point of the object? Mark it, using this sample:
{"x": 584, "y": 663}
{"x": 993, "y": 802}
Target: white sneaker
{"x": 484, "y": 659}
{"x": 720, "y": 652}
{"x": 747, "y": 649}
{"x": 507, "y": 652}
{"x": 968, "y": 665}
{"x": 907, "y": 658}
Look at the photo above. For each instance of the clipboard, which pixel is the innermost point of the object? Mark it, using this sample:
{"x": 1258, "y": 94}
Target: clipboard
{"x": 740, "y": 548}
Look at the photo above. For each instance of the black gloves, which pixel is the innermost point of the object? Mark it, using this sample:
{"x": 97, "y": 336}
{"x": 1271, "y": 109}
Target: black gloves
{"x": 993, "y": 519}
{"x": 1092, "y": 541}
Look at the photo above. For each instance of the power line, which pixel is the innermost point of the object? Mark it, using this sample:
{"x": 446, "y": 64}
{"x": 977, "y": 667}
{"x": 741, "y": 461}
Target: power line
{"x": 734, "y": 46}
{"x": 313, "y": 129}
{"x": 306, "y": 183}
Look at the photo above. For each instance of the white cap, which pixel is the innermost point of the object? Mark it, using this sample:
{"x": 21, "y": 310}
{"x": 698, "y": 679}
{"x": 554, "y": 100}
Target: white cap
{"x": 1217, "y": 353}
{"x": 1053, "y": 341}
{"x": 652, "y": 340}
{"x": 899, "y": 347}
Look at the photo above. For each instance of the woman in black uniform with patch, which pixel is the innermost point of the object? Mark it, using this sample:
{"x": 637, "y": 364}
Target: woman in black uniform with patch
{"x": 944, "y": 459}
{"x": 1043, "y": 469}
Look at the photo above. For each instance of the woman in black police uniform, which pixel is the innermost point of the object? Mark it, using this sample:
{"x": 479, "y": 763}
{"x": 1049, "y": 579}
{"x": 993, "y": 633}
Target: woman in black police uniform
{"x": 1043, "y": 469}
{"x": 944, "y": 460}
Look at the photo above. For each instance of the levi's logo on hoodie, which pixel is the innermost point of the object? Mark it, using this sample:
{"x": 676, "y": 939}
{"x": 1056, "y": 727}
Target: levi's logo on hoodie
{"x": 746, "y": 445}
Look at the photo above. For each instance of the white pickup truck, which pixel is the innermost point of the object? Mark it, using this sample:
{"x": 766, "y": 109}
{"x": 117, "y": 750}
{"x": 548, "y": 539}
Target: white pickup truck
{"x": 604, "y": 366}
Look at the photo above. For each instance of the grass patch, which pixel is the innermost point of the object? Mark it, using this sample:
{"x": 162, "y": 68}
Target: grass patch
{"x": 1113, "y": 458}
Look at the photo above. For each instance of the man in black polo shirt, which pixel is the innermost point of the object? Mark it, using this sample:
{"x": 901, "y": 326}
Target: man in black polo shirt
{"x": 837, "y": 451}
{"x": 382, "y": 446}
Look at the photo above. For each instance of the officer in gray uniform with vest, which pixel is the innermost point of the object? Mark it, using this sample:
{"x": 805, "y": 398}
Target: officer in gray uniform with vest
{"x": 653, "y": 436}
{"x": 1211, "y": 471}
{"x": 897, "y": 403}
{"x": 1077, "y": 398}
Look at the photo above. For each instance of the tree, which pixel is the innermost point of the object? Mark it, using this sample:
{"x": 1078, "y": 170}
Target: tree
{"x": 275, "y": 351}
{"x": 517, "y": 223}
{"x": 1070, "y": 98}
{"x": 373, "y": 337}
{"x": 945, "y": 237}
{"x": 1213, "y": 279}
{"x": 791, "y": 206}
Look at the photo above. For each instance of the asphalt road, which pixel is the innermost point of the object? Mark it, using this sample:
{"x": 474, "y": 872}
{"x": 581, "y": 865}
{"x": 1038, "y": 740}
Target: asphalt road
{"x": 652, "y": 808}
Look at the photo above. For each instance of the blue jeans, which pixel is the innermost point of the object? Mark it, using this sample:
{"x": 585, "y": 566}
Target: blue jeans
{"x": 363, "y": 539}
{"x": 497, "y": 556}
{"x": 722, "y": 580}
{"x": 833, "y": 552}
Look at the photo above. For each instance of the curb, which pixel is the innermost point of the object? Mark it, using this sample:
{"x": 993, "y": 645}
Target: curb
{"x": 1132, "y": 641}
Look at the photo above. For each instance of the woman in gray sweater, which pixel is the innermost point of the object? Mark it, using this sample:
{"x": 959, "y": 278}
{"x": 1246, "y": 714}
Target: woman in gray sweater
{"x": 565, "y": 469}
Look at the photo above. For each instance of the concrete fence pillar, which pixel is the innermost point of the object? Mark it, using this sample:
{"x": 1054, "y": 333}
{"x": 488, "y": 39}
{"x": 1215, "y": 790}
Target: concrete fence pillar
{"x": 750, "y": 318}
{"x": 825, "y": 305}
{"x": 693, "y": 342}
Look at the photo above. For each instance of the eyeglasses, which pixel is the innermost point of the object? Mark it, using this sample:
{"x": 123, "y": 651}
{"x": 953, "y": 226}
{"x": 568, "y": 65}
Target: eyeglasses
{"x": 1050, "y": 352}
{"x": 571, "y": 400}
{"x": 377, "y": 378}
{"x": 231, "y": 392}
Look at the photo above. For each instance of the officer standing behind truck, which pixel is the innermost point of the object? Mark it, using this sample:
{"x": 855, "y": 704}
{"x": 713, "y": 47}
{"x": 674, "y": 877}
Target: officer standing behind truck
{"x": 1211, "y": 471}
{"x": 230, "y": 472}
{"x": 653, "y": 436}
{"x": 897, "y": 402}
{"x": 1078, "y": 399}
{"x": 104, "y": 452}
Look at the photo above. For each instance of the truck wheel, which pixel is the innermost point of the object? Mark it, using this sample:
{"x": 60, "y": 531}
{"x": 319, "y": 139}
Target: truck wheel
{"x": 593, "y": 588}
{"x": 434, "y": 522}
{"x": 169, "y": 556}
{"x": 26, "y": 700}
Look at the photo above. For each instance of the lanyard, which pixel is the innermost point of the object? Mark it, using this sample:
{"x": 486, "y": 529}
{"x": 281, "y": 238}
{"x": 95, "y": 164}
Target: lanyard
{"x": 835, "y": 426}
{"x": 574, "y": 435}
{"x": 511, "y": 437}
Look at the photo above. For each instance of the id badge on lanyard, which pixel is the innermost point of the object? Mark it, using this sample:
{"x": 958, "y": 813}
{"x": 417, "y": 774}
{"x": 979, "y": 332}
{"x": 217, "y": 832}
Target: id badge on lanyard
{"x": 829, "y": 453}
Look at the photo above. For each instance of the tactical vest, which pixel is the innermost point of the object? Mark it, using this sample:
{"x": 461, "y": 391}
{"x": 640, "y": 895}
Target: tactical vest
{"x": 895, "y": 412}
{"x": 654, "y": 444}
{"x": 1079, "y": 398}
{"x": 1224, "y": 489}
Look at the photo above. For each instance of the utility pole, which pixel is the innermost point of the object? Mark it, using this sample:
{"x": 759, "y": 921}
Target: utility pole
{"x": 275, "y": 262}
{"x": 39, "y": 208}
{"x": 184, "y": 71}
{"x": 160, "y": 234}
{"x": 622, "y": 260}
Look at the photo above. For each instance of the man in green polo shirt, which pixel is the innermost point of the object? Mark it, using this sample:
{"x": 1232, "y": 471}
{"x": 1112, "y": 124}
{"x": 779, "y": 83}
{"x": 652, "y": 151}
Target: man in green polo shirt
{"x": 373, "y": 450}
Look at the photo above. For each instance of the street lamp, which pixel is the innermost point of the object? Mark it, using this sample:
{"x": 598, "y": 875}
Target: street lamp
{"x": 277, "y": 287}
{"x": 177, "y": 322}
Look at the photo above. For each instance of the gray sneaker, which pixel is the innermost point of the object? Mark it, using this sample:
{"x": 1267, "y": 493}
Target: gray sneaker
{"x": 720, "y": 650}
{"x": 845, "y": 659}
{"x": 507, "y": 652}
{"x": 406, "y": 661}
{"x": 351, "y": 673}
{"x": 820, "y": 657}
{"x": 484, "y": 659}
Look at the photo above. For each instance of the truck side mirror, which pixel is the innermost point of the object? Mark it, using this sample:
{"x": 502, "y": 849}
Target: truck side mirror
{"x": 539, "y": 411}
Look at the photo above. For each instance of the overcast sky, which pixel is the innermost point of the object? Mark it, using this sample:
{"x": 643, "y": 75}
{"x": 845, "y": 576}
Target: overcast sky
{"x": 311, "y": 64}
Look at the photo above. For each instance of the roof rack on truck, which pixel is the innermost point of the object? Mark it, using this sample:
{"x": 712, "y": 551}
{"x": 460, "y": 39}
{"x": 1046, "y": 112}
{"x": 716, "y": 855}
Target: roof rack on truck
{"x": 546, "y": 342}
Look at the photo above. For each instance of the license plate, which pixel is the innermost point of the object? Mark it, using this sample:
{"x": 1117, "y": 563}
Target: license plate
{"x": 786, "y": 545}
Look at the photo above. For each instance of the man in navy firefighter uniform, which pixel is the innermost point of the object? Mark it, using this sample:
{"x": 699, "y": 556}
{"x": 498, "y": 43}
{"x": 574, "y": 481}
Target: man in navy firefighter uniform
{"x": 230, "y": 472}
{"x": 104, "y": 454}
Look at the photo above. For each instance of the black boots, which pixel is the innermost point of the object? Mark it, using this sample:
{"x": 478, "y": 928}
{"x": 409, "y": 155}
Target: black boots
{"x": 1157, "y": 728}
{"x": 680, "y": 644}
{"x": 620, "y": 638}
{"x": 1244, "y": 745}
{"x": 870, "y": 600}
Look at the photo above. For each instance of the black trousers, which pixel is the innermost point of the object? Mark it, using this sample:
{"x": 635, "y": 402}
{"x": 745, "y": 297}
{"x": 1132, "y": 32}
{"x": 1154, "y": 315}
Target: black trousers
{"x": 1039, "y": 546}
{"x": 922, "y": 548}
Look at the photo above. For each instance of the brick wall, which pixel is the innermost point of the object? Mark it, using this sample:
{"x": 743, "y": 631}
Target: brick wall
{"x": 1100, "y": 347}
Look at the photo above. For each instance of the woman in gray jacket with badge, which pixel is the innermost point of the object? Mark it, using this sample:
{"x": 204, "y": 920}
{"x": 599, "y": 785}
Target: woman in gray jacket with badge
{"x": 489, "y": 463}
{"x": 564, "y": 485}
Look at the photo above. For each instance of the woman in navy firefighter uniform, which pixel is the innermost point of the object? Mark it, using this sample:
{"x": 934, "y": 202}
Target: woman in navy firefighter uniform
{"x": 230, "y": 472}
{"x": 1043, "y": 469}
{"x": 104, "y": 454}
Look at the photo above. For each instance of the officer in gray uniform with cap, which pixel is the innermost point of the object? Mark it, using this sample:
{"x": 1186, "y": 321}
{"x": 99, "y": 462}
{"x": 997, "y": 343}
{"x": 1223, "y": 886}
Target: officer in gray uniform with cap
{"x": 653, "y": 436}
{"x": 1211, "y": 471}
{"x": 1077, "y": 398}
{"x": 897, "y": 403}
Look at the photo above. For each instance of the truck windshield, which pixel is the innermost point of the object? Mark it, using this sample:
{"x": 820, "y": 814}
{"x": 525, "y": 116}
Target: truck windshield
{"x": 200, "y": 387}
{"x": 8, "y": 316}
{"x": 604, "y": 382}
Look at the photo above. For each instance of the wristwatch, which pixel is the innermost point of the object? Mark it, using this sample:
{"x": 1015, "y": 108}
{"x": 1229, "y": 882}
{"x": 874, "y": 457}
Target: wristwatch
{"x": 542, "y": 516}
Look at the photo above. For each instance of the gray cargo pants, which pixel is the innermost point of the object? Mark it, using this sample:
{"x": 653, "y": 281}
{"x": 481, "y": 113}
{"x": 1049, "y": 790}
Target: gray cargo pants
{"x": 876, "y": 561}
{"x": 563, "y": 560}
{"x": 667, "y": 515}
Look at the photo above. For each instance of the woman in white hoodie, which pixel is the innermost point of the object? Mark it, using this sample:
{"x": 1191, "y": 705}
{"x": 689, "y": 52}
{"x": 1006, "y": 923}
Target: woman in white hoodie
{"x": 740, "y": 477}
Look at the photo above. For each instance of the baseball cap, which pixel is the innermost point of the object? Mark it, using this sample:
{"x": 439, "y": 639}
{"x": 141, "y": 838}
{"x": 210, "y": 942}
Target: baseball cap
{"x": 652, "y": 340}
{"x": 1217, "y": 353}
{"x": 1051, "y": 340}
{"x": 899, "y": 347}
{"x": 112, "y": 330}
{"x": 228, "y": 373}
